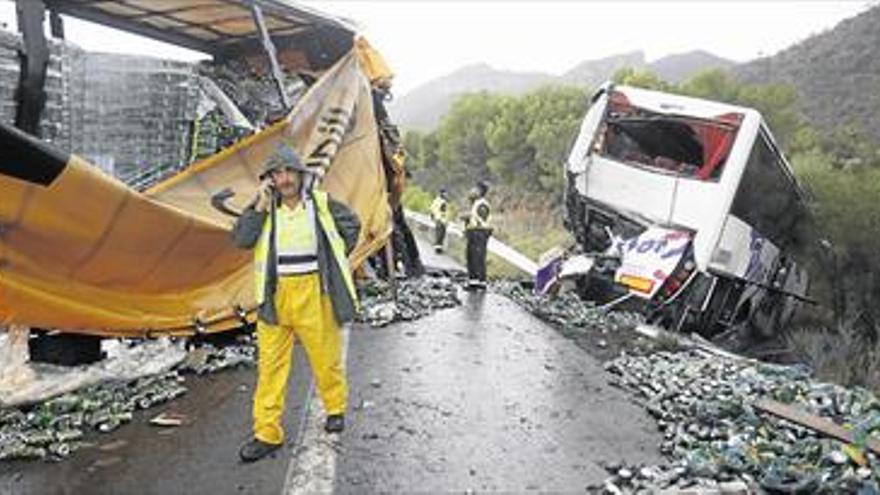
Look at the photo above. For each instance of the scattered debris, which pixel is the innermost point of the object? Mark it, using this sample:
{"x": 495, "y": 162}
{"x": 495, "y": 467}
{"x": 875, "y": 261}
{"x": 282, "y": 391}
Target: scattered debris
{"x": 730, "y": 425}
{"x": 211, "y": 359}
{"x": 710, "y": 410}
{"x": 570, "y": 311}
{"x": 815, "y": 423}
{"x": 416, "y": 298}
{"x": 53, "y": 429}
{"x": 599, "y": 331}
{"x": 126, "y": 360}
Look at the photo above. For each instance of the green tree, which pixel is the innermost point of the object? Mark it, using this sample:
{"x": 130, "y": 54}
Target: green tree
{"x": 712, "y": 84}
{"x": 557, "y": 114}
{"x": 462, "y": 147}
{"x": 640, "y": 78}
{"x": 412, "y": 143}
{"x": 421, "y": 150}
{"x": 506, "y": 136}
{"x": 531, "y": 137}
{"x": 776, "y": 102}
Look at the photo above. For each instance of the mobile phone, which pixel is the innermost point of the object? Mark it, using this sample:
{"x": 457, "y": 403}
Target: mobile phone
{"x": 274, "y": 192}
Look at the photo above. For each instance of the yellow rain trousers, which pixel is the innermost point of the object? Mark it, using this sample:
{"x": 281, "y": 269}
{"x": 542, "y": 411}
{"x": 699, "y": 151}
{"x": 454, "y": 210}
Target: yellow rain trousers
{"x": 305, "y": 314}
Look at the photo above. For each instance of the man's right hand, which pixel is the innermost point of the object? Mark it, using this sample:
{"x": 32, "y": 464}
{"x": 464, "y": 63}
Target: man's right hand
{"x": 264, "y": 196}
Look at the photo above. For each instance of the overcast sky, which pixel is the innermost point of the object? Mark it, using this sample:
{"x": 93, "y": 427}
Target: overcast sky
{"x": 423, "y": 40}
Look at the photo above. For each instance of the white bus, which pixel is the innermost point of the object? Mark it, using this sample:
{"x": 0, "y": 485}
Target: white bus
{"x": 688, "y": 206}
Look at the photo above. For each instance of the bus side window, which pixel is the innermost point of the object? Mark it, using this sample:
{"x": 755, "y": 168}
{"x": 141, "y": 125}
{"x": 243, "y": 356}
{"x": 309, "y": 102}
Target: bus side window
{"x": 767, "y": 199}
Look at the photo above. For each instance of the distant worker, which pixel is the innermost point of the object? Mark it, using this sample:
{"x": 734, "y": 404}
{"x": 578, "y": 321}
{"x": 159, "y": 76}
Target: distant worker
{"x": 440, "y": 216}
{"x": 478, "y": 229}
{"x": 301, "y": 238}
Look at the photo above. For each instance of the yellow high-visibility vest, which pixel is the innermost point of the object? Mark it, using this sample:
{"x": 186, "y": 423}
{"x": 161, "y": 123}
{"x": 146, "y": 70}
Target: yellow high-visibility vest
{"x": 440, "y": 210}
{"x": 326, "y": 224}
{"x": 296, "y": 242}
{"x": 480, "y": 216}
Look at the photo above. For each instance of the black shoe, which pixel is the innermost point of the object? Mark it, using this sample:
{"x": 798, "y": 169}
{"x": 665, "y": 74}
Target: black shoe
{"x": 335, "y": 423}
{"x": 254, "y": 450}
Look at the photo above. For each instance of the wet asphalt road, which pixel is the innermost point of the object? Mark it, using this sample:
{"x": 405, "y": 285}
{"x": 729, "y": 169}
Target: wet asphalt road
{"x": 486, "y": 398}
{"x": 481, "y": 397}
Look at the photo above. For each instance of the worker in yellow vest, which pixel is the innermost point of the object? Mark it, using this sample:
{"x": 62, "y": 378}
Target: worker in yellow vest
{"x": 301, "y": 238}
{"x": 440, "y": 216}
{"x": 478, "y": 229}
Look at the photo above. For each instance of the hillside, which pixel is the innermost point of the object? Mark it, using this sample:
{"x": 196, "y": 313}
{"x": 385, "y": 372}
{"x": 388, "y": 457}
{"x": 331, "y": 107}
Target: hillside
{"x": 423, "y": 107}
{"x": 836, "y": 73}
{"x": 678, "y": 67}
{"x": 591, "y": 73}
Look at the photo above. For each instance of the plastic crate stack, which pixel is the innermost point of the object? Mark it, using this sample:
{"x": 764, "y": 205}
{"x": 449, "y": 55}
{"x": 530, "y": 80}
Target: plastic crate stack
{"x": 9, "y": 73}
{"x": 56, "y": 120}
{"x": 136, "y": 113}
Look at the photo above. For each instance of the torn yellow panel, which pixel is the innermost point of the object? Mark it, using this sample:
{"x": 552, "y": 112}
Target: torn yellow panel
{"x": 83, "y": 253}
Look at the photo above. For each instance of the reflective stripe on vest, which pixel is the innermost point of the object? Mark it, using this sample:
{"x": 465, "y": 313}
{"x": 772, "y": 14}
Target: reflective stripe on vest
{"x": 480, "y": 217}
{"x": 296, "y": 243}
{"x": 337, "y": 245}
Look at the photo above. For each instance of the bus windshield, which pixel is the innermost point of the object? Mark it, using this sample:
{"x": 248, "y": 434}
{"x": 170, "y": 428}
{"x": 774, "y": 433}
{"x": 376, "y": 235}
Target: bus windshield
{"x": 682, "y": 146}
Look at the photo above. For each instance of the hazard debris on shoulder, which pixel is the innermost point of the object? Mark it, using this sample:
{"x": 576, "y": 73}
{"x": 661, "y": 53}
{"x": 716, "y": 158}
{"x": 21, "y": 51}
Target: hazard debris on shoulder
{"x": 599, "y": 331}
{"x": 416, "y": 298}
{"x": 706, "y": 406}
{"x": 52, "y": 429}
{"x": 717, "y": 437}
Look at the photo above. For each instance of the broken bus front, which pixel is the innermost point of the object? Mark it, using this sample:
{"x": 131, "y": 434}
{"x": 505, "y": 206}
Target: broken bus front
{"x": 651, "y": 181}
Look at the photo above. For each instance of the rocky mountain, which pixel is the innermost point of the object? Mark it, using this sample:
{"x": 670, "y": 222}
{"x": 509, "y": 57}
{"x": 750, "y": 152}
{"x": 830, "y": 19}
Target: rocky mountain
{"x": 423, "y": 107}
{"x": 591, "y": 73}
{"x": 836, "y": 73}
{"x": 678, "y": 67}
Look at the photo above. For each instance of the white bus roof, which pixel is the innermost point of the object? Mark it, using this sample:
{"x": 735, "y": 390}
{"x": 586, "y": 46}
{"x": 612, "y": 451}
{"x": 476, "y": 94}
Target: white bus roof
{"x": 667, "y": 103}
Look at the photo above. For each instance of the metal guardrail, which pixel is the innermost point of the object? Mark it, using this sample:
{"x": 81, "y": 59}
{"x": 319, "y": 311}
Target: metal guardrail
{"x": 495, "y": 247}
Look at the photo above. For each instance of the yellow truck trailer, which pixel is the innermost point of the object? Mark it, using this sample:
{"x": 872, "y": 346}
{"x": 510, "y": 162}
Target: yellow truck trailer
{"x": 83, "y": 252}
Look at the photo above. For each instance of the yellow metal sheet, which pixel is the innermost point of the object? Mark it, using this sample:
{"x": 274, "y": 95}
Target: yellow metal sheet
{"x": 372, "y": 62}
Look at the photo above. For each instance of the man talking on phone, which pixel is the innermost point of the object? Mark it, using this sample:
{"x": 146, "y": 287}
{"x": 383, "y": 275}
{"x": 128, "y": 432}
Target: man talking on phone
{"x": 301, "y": 239}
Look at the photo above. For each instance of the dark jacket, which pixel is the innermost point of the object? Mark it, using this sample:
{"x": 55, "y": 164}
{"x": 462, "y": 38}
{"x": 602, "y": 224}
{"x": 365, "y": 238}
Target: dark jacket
{"x": 247, "y": 231}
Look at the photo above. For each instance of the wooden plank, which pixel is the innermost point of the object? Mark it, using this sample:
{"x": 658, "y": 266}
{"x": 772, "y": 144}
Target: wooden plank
{"x": 813, "y": 422}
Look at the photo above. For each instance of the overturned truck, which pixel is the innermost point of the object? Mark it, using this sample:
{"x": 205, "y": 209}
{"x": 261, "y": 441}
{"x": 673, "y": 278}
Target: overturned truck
{"x": 82, "y": 251}
{"x": 686, "y": 208}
